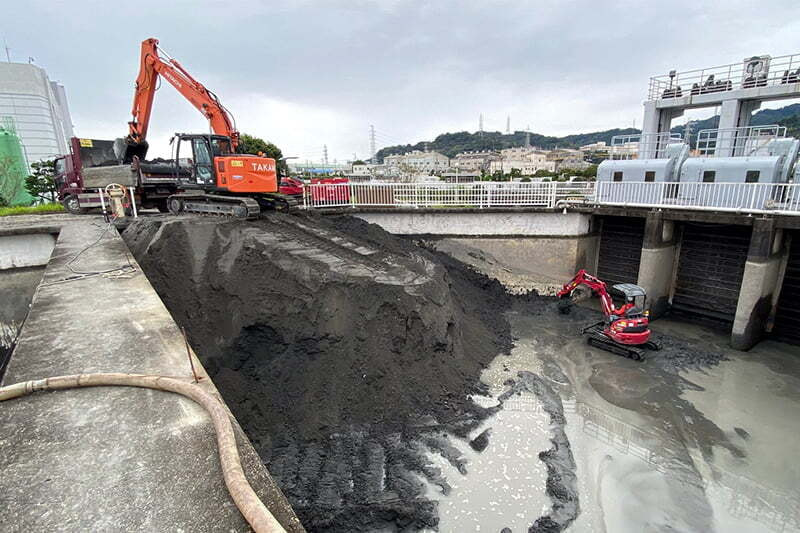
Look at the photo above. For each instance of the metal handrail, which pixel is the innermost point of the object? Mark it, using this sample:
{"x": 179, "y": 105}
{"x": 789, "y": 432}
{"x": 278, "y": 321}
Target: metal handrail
{"x": 781, "y": 70}
{"x": 479, "y": 194}
{"x": 742, "y": 141}
{"x": 654, "y": 145}
{"x": 775, "y": 198}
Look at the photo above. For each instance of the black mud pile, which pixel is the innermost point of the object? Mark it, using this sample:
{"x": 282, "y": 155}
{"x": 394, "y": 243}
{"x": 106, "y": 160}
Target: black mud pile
{"x": 344, "y": 352}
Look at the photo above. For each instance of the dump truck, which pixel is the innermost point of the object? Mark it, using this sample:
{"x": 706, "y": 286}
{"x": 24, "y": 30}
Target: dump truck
{"x": 93, "y": 164}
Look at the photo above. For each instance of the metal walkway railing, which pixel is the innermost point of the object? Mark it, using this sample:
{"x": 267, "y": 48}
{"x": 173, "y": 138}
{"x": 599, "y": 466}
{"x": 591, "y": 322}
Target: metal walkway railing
{"x": 481, "y": 194}
{"x": 733, "y": 197}
{"x": 737, "y": 197}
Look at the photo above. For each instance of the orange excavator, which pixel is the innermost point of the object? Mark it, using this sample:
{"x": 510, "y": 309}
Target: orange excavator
{"x": 213, "y": 178}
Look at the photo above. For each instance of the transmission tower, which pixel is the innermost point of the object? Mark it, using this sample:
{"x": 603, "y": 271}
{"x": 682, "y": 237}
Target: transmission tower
{"x": 528, "y": 137}
{"x": 372, "y": 143}
{"x": 325, "y": 154}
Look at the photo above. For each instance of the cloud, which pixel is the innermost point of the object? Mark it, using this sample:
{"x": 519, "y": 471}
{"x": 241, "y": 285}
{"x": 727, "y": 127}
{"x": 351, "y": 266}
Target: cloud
{"x": 305, "y": 74}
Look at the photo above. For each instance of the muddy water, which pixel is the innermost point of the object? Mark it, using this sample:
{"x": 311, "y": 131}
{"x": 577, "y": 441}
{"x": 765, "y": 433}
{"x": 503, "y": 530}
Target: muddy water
{"x": 700, "y": 450}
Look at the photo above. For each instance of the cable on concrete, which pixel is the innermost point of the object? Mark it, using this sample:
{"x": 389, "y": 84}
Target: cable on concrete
{"x": 248, "y": 502}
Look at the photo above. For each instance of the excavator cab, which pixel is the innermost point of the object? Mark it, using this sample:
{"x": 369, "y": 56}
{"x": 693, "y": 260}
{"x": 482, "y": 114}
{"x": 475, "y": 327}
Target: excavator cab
{"x": 194, "y": 156}
{"x": 635, "y": 299}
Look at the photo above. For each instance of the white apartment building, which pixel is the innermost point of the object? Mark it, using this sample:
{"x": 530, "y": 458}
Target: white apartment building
{"x": 599, "y": 146}
{"x": 526, "y": 159}
{"x": 38, "y": 109}
{"x": 474, "y": 161}
{"x": 418, "y": 162}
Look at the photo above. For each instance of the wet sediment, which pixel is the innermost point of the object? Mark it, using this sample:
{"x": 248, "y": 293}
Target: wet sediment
{"x": 348, "y": 355}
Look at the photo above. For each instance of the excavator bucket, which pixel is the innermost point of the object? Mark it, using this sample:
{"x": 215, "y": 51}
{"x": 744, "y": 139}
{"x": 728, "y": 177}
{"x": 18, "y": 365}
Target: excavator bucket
{"x": 132, "y": 149}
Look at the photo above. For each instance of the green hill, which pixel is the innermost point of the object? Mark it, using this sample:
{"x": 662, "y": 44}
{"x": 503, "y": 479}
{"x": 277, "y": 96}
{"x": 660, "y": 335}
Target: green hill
{"x": 451, "y": 144}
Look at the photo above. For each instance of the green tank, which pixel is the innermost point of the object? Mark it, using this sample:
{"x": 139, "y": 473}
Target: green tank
{"x": 13, "y": 166}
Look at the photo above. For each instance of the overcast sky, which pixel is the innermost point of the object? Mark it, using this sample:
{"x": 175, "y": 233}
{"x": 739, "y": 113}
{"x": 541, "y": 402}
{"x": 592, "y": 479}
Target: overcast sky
{"x": 306, "y": 74}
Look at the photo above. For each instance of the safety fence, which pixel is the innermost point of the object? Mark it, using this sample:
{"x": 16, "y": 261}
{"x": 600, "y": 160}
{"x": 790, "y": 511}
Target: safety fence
{"x": 481, "y": 194}
{"x": 737, "y": 197}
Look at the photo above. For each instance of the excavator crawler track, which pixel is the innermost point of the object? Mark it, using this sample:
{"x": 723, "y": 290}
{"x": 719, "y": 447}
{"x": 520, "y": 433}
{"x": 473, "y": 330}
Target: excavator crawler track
{"x": 596, "y": 337}
{"x": 213, "y": 204}
{"x": 599, "y": 340}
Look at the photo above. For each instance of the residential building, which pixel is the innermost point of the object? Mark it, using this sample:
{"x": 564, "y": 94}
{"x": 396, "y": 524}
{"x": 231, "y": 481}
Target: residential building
{"x": 599, "y": 146}
{"x": 36, "y": 109}
{"x": 566, "y": 158}
{"x": 418, "y": 162}
{"x": 476, "y": 161}
{"x": 458, "y": 176}
{"x": 526, "y": 159}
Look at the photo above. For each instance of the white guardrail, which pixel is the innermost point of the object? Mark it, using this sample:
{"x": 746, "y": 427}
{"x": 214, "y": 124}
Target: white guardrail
{"x": 737, "y": 197}
{"x": 481, "y": 194}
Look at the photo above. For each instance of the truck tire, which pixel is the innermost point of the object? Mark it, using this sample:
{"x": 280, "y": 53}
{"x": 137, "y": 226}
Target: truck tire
{"x": 175, "y": 205}
{"x": 73, "y": 205}
{"x": 162, "y": 206}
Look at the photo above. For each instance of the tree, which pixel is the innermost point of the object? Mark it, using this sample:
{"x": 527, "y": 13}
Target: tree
{"x": 516, "y": 173}
{"x": 40, "y": 183}
{"x": 10, "y": 181}
{"x": 542, "y": 173}
{"x": 358, "y": 162}
{"x": 253, "y": 145}
{"x": 792, "y": 126}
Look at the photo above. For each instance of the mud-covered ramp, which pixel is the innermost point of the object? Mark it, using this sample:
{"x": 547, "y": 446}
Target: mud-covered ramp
{"x": 344, "y": 352}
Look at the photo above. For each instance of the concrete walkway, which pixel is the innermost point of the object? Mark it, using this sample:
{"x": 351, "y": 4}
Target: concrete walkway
{"x": 110, "y": 459}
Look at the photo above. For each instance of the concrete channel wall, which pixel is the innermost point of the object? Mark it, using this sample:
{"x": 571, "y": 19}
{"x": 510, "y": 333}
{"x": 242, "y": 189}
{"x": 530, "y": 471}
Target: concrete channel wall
{"x": 111, "y": 458}
{"x": 530, "y": 249}
{"x": 25, "y": 250}
{"x": 523, "y": 249}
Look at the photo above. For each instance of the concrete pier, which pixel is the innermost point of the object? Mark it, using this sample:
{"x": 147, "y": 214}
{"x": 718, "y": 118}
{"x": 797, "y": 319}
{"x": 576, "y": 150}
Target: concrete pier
{"x": 760, "y": 284}
{"x": 658, "y": 262}
{"x": 111, "y": 458}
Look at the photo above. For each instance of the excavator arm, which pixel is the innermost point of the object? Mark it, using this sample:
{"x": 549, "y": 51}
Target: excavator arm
{"x": 155, "y": 63}
{"x": 598, "y": 287}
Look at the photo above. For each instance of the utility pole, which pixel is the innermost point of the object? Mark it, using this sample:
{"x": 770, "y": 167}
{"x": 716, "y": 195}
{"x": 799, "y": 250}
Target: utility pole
{"x": 8, "y": 53}
{"x": 508, "y": 124}
{"x": 372, "y": 143}
{"x": 325, "y": 154}
{"x": 480, "y": 125}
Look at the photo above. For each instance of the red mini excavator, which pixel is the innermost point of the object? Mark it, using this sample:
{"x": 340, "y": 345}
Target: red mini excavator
{"x": 624, "y": 330}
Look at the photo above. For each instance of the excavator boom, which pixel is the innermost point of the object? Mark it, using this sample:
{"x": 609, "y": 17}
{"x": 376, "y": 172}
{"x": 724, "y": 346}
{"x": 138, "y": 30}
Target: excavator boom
{"x": 154, "y": 63}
